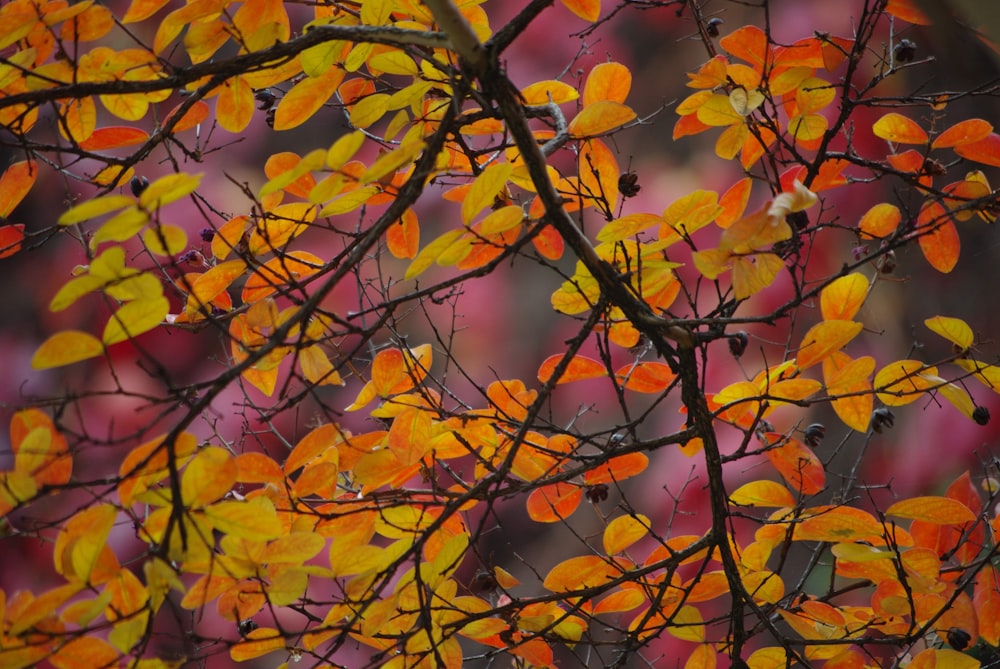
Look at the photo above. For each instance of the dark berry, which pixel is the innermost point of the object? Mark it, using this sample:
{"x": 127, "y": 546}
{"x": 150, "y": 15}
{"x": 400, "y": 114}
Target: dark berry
{"x": 905, "y": 51}
{"x": 712, "y": 26}
{"x": 738, "y": 343}
{"x": 597, "y": 493}
{"x": 882, "y": 419}
{"x": 814, "y": 434}
{"x": 981, "y": 415}
{"x": 137, "y": 185}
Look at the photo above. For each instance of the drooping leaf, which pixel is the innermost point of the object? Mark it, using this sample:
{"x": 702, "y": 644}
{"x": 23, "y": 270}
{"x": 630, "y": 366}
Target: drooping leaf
{"x": 607, "y": 81}
{"x": 939, "y": 510}
{"x": 954, "y": 330}
{"x": 797, "y": 464}
{"x": 842, "y": 298}
{"x": 825, "y": 338}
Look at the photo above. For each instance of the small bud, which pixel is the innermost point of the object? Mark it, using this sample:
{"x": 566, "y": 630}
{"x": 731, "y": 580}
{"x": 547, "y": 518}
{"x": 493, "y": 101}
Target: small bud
{"x": 882, "y": 419}
{"x": 628, "y": 184}
{"x": 814, "y": 434}
{"x": 981, "y": 415}
{"x": 269, "y": 119}
{"x": 905, "y": 51}
{"x": 597, "y": 493}
{"x": 193, "y": 257}
{"x": 137, "y": 185}
{"x": 958, "y": 638}
{"x": 244, "y": 627}
{"x": 738, "y": 343}
{"x": 712, "y": 26}
{"x": 207, "y": 234}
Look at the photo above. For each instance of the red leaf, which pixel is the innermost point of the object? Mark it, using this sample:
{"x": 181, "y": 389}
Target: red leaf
{"x": 10, "y": 239}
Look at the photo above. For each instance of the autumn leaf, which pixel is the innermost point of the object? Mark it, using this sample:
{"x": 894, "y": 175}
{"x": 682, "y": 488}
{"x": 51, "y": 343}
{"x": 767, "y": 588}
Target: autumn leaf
{"x": 599, "y": 118}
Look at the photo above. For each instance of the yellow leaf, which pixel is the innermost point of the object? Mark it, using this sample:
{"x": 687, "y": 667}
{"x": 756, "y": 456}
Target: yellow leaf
{"x": 764, "y": 494}
{"x": 94, "y": 208}
{"x": 167, "y": 189}
{"x": 258, "y": 642}
{"x": 717, "y": 110}
{"x": 123, "y": 226}
{"x": 938, "y": 510}
{"x": 254, "y": 519}
{"x": 842, "y": 298}
{"x": 306, "y": 98}
{"x": 543, "y": 92}
{"x": 134, "y": 318}
{"x": 954, "y": 330}
{"x": 824, "y": 339}
{"x": 165, "y": 240}
{"x": 902, "y": 382}
{"x": 599, "y": 118}
{"x": 388, "y": 163}
{"x": 65, "y": 348}
{"x": 485, "y": 189}
{"x": 430, "y": 253}
{"x": 209, "y": 476}
{"x": 624, "y": 531}
{"x": 750, "y": 276}
{"x": 344, "y": 149}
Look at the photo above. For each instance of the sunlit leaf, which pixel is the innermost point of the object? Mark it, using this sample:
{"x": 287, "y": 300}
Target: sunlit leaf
{"x": 954, "y": 330}
{"x": 939, "y": 510}
{"x": 763, "y": 494}
{"x": 797, "y": 464}
{"x": 824, "y": 339}
{"x": 899, "y": 129}
{"x": 134, "y": 318}
{"x": 842, "y": 298}
{"x": 588, "y": 10}
{"x": 624, "y": 531}
{"x": 963, "y": 132}
{"x": 607, "y": 81}
{"x": 65, "y": 348}
{"x": 600, "y": 118}
{"x": 880, "y": 221}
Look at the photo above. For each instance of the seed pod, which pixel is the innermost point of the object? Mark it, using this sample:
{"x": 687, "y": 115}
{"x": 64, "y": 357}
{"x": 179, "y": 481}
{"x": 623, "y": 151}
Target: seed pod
{"x": 958, "y": 638}
{"x": 206, "y": 234}
{"x": 265, "y": 99}
{"x": 484, "y": 581}
{"x": 244, "y": 627}
{"x": 137, "y": 185}
{"x": 597, "y": 493}
{"x": 981, "y": 415}
{"x": 712, "y": 26}
{"x": 905, "y": 51}
{"x": 628, "y": 184}
{"x": 814, "y": 434}
{"x": 738, "y": 343}
{"x": 882, "y": 419}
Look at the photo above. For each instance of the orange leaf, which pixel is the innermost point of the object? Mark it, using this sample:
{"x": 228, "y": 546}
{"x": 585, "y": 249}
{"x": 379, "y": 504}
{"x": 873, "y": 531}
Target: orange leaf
{"x": 599, "y": 174}
{"x": 577, "y": 573}
{"x": 284, "y": 162}
{"x": 901, "y": 382}
{"x": 838, "y": 524}
{"x": 306, "y": 98}
{"x": 964, "y": 132}
{"x": 207, "y": 286}
{"x": 283, "y": 274}
{"x": 898, "y": 129}
{"x": 607, "y": 81}
{"x": 552, "y": 503}
{"x": 548, "y": 242}
{"x": 797, "y": 464}
{"x": 197, "y": 114}
{"x": 114, "y": 137}
{"x": 985, "y": 151}
{"x": 880, "y": 221}
{"x": 938, "y": 510}
{"x": 734, "y": 202}
{"x": 906, "y": 10}
{"x": 986, "y": 600}
{"x": 825, "y": 338}
{"x": 235, "y": 105}
{"x": 588, "y": 10}
{"x": 749, "y": 44}
{"x": 580, "y": 368}
{"x": 617, "y": 469}
{"x": 842, "y": 298}
{"x": 403, "y": 238}
{"x": 850, "y": 378}
{"x": 938, "y": 238}
{"x": 15, "y": 183}
{"x": 689, "y": 125}
{"x": 11, "y": 237}
{"x": 646, "y": 377}
{"x": 599, "y": 118}
{"x": 140, "y": 10}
